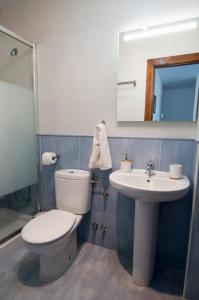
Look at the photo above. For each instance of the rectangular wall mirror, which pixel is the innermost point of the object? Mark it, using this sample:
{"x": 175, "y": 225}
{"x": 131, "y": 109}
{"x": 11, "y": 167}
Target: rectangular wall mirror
{"x": 158, "y": 73}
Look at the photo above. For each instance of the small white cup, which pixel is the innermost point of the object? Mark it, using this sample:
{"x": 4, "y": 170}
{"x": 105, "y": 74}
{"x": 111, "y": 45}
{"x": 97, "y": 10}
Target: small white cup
{"x": 125, "y": 166}
{"x": 175, "y": 171}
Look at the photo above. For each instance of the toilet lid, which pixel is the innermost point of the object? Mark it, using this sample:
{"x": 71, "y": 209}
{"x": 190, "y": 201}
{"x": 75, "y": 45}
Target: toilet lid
{"x": 48, "y": 227}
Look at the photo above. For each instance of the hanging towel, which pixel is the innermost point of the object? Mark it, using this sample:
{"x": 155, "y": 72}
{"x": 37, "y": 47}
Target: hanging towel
{"x": 100, "y": 156}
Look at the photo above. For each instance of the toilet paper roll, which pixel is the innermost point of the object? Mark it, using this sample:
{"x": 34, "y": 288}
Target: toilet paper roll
{"x": 49, "y": 158}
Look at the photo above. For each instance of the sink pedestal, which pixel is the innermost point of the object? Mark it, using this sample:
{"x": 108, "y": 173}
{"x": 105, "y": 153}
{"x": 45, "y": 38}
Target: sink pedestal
{"x": 145, "y": 240}
{"x": 148, "y": 192}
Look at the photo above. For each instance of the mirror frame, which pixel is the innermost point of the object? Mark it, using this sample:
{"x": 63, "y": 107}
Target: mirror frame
{"x": 152, "y": 64}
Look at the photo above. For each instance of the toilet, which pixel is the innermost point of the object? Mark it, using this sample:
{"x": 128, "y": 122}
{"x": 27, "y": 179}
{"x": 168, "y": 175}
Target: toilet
{"x": 52, "y": 235}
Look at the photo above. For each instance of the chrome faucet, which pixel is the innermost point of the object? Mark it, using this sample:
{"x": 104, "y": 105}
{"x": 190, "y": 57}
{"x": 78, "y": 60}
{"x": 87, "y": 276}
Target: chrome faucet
{"x": 149, "y": 168}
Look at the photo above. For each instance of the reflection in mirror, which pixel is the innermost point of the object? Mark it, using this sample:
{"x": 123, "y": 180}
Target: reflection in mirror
{"x": 172, "y": 88}
{"x": 137, "y": 49}
{"x": 176, "y": 93}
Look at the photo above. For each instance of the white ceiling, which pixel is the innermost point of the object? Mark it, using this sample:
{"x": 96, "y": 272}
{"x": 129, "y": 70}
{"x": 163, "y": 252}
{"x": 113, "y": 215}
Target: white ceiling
{"x": 6, "y": 2}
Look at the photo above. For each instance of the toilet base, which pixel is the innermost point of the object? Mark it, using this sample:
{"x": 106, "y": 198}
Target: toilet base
{"x": 53, "y": 265}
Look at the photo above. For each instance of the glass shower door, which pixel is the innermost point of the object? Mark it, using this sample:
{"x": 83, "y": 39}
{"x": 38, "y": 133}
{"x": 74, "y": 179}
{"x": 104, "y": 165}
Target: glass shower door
{"x": 18, "y": 142}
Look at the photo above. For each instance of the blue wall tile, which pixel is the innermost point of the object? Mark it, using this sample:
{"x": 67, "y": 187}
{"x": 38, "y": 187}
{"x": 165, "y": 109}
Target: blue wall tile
{"x": 125, "y": 207}
{"x": 109, "y": 238}
{"x": 172, "y": 247}
{"x": 192, "y": 287}
{"x": 111, "y": 203}
{"x": 47, "y": 188}
{"x": 85, "y": 148}
{"x": 95, "y": 236}
{"x": 143, "y": 150}
{"x": 195, "y": 231}
{"x": 97, "y": 202}
{"x": 68, "y": 149}
{"x": 176, "y": 214}
{"x": 125, "y": 233}
{"x": 117, "y": 211}
{"x": 118, "y": 148}
{"x": 178, "y": 151}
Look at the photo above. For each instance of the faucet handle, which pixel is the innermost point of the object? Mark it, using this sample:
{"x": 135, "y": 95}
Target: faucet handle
{"x": 150, "y": 164}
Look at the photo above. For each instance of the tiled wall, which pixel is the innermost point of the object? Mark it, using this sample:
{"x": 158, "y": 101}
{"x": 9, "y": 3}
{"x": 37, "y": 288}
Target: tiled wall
{"x": 24, "y": 200}
{"x": 117, "y": 211}
{"x": 192, "y": 287}
{"x": 78, "y": 41}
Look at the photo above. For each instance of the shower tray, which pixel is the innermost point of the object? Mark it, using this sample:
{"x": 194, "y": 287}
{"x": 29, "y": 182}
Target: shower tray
{"x": 11, "y": 222}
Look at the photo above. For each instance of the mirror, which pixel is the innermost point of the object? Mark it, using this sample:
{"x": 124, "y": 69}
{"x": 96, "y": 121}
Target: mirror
{"x": 158, "y": 73}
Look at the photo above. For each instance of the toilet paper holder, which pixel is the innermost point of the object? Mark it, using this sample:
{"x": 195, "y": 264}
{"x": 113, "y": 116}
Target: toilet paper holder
{"x": 49, "y": 158}
{"x": 57, "y": 156}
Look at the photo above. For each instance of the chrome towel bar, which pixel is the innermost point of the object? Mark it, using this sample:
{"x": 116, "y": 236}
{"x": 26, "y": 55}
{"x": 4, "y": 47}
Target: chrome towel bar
{"x": 127, "y": 82}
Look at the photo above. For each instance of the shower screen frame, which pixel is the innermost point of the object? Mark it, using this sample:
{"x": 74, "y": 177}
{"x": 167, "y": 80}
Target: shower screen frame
{"x": 32, "y": 45}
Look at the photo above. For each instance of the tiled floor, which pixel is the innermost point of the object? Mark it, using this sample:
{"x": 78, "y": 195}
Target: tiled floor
{"x": 97, "y": 273}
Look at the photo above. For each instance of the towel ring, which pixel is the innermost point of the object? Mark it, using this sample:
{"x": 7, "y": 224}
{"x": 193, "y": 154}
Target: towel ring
{"x": 103, "y": 122}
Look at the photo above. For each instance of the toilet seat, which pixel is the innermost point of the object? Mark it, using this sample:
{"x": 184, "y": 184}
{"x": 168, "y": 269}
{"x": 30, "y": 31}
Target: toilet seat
{"x": 48, "y": 227}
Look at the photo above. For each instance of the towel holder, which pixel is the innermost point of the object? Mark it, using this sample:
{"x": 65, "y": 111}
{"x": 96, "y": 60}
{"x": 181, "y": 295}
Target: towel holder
{"x": 127, "y": 82}
{"x": 103, "y": 122}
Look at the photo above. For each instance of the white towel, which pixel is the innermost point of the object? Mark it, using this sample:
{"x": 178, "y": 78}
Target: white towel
{"x": 100, "y": 156}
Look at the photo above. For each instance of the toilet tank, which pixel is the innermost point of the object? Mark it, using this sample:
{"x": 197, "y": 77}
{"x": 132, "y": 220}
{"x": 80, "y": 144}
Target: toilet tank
{"x": 73, "y": 190}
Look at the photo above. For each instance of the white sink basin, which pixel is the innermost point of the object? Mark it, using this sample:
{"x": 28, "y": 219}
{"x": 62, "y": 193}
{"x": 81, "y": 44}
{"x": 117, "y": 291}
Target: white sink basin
{"x": 158, "y": 188}
{"x": 147, "y": 193}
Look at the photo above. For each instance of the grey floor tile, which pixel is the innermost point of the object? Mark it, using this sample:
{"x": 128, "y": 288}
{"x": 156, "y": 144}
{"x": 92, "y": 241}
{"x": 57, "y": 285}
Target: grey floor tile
{"x": 96, "y": 274}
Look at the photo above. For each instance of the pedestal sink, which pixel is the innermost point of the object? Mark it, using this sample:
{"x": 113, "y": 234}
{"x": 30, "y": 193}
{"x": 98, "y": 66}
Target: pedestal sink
{"x": 147, "y": 192}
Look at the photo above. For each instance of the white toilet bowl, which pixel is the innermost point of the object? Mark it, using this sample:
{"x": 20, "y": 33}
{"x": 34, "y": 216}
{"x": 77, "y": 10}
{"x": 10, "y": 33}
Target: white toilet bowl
{"x": 52, "y": 236}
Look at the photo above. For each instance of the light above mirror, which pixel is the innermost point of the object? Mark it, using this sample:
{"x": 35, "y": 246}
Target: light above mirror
{"x": 160, "y": 31}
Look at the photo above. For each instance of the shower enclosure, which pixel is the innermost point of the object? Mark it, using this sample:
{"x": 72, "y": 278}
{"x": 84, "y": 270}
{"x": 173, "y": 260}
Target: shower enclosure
{"x": 18, "y": 141}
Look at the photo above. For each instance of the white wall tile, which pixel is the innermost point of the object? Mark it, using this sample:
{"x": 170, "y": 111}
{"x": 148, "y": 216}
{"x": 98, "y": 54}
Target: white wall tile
{"x": 77, "y": 59}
